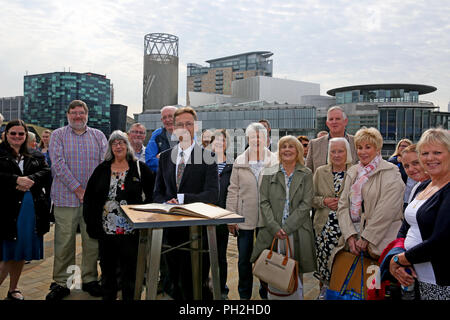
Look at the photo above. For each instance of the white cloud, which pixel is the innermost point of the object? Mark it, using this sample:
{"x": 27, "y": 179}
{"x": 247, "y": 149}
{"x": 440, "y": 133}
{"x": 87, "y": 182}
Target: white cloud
{"x": 334, "y": 43}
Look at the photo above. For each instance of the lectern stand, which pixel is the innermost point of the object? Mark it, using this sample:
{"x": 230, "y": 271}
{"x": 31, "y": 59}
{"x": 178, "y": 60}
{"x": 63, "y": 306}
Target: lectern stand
{"x": 151, "y": 226}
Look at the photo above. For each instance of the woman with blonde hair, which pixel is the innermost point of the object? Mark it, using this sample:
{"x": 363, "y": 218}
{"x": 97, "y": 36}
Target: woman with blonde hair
{"x": 397, "y": 155}
{"x": 370, "y": 208}
{"x": 285, "y": 199}
{"x": 426, "y": 227}
{"x": 43, "y": 145}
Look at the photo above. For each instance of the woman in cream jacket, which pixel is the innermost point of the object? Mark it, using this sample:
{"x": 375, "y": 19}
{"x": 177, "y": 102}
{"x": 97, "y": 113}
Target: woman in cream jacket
{"x": 370, "y": 209}
{"x": 243, "y": 198}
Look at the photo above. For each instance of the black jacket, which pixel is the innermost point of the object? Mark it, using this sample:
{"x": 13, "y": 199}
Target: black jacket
{"x": 37, "y": 170}
{"x": 224, "y": 182}
{"x": 434, "y": 224}
{"x": 97, "y": 190}
{"x": 199, "y": 182}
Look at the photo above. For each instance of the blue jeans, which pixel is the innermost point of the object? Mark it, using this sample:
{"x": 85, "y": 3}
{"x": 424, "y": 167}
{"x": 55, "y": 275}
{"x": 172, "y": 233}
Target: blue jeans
{"x": 245, "y": 248}
{"x": 245, "y": 241}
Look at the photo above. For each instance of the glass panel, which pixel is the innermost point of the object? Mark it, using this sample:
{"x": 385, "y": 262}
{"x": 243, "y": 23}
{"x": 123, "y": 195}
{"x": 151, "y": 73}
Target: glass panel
{"x": 383, "y": 123}
{"x": 391, "y": 125}
{"x": 400, "y": 124}
{"x": 409, "y": 126}
{"x": 417, "y": 124}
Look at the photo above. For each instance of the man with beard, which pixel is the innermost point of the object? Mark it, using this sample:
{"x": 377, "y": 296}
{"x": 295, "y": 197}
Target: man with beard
{"x": 75, "y": 151}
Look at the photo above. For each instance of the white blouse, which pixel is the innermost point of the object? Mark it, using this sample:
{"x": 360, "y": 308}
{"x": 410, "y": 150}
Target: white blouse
{"x": 425, "y": 272}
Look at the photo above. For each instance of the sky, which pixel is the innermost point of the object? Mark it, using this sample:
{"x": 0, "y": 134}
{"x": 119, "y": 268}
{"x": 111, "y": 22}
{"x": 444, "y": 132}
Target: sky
{"x": 333, "y": 43}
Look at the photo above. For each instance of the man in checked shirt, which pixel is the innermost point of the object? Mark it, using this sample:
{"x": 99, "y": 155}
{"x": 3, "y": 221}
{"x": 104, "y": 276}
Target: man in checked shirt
{"x": 75, "y": 151}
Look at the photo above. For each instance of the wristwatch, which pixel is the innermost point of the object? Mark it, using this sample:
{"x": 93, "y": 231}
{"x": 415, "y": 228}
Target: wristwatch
{"x": 397, "y": 261}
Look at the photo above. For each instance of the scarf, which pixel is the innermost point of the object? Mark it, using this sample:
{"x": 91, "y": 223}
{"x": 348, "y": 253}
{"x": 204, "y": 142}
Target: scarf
{"x": 364, "y": 172}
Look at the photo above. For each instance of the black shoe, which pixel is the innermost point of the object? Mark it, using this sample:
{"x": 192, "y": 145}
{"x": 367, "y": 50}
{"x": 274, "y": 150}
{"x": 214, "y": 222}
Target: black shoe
{"x": 57, "y": 292}
{"x": 93, "y": 288}
{"x": 10, "y": 295}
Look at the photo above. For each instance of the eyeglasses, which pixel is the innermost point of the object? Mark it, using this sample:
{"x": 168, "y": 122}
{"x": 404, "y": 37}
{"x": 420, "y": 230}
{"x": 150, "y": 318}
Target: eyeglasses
{"x": 13, "y": 133}
{"x": 77, "y": 113}
{"x": 305, "y": 144}
{"x": 118, "y": 143}
{"x": 137, "y": 132}
{"x": 182, "y": 125}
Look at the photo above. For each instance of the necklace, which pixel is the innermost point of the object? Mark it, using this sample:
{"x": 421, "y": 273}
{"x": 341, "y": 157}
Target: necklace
{"x": 426, "y": 192}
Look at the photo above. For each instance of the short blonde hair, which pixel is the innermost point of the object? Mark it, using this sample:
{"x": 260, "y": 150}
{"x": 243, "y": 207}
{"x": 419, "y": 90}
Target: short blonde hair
{"x": 434, "y": 136}
{"x": 296, "y": 143}
{"x": 369, "y": 135}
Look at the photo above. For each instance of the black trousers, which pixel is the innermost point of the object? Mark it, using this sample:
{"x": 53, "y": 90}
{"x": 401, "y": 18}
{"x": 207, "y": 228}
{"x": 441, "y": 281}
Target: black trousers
{"x": 180, "y": 267}
{"x": 118, "y": 258}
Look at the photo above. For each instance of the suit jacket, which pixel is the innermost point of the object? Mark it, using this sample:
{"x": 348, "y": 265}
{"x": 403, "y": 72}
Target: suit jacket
{"x": 200, "y": 181}
{"x": 318, "y": 152}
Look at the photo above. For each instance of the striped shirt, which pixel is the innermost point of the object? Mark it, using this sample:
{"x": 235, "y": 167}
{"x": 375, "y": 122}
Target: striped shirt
{"x": 74, "y": 157}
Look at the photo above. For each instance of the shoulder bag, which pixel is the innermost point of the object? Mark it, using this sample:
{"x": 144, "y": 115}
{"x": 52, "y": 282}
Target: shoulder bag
{"x": 278, "y": 270}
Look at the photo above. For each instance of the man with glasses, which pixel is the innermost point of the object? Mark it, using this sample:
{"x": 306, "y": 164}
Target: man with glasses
{"x": 187, "y": 173}
{"x": 136, "y": 136}
{"x": 161, "y": 138}
{"x": 75, "y": 151}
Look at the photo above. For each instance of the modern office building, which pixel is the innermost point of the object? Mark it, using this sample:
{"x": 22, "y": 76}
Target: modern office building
{"x": 395, "y": 109}
{"x": 217, "y": 77}
{"x": 284, "y": 118}
{"x": 11, "y": 107}
{"x": 160, "y": 87}
{"x": 48, "y": 95}
{"x": 258, "y": 88}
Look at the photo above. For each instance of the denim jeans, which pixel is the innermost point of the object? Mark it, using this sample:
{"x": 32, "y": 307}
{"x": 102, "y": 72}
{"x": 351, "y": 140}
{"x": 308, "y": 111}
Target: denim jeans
{"x": 245, "y": 241}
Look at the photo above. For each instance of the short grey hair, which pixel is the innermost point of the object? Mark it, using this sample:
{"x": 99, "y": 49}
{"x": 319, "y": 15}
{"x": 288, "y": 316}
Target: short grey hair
{"x": 1, "y": 119}
{"x": 119, "y": 135}
{"x": 31, "y": 136}
{"x": 256, "y": 127}
{"x": 344, "y": 116}
{"x": 347, "y": 147}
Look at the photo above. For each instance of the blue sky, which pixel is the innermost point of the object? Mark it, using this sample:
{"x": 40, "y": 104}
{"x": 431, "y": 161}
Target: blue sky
{"x": 334, "y": 43}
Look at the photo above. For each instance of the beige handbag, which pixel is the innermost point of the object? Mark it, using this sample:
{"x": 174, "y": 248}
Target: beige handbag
{"x": 278, "y": 270}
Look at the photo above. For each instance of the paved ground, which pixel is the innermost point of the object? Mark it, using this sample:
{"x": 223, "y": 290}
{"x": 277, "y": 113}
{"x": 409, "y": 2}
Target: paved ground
{"x": 37, "y": 276}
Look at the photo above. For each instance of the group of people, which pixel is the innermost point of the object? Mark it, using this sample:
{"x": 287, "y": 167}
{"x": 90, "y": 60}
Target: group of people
{"x": 327, "y": 194}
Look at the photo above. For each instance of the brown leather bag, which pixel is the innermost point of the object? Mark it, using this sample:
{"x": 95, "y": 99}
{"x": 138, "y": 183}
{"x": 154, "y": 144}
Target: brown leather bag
{"x": 341, "y": 265}
{"x": 278, "y": 270}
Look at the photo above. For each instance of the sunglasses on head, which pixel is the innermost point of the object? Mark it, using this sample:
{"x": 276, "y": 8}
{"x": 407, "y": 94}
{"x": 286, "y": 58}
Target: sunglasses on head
{"x": 13, "y": 133}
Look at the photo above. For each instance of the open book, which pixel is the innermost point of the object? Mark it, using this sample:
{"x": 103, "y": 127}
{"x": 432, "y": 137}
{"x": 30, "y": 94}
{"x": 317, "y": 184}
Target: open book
{"x": 196, "y": 209}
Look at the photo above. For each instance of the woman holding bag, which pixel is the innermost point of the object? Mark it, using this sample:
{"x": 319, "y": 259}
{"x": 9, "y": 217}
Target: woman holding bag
{"x": 118, "y": 180}
{"x": 285, "y": 200}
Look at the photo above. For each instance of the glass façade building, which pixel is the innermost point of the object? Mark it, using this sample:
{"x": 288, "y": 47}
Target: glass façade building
{"x": 47, "y": 96}
{"x": 217, "y": 77}
{"x": 395, "y": 109}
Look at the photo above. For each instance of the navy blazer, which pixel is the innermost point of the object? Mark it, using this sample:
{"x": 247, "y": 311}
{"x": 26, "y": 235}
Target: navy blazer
{"x": 200, "y": 182}
{"x": 433, "y": 218}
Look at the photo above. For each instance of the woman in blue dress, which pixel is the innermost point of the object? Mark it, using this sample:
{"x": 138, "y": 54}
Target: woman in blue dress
{"x": 24, "y": 175}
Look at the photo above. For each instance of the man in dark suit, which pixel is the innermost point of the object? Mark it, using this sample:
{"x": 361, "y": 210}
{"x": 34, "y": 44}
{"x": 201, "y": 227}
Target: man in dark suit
{"x": 186, "y": 173}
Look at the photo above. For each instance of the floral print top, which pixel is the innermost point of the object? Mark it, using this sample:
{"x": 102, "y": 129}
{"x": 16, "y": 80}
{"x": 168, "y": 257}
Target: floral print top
{"x": 114, "y": 220}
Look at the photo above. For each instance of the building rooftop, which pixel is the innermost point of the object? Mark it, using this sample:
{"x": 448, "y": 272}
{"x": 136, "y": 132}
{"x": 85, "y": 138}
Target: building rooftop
{"x": 420, "y": 88}
{"x": 265, "y": 54}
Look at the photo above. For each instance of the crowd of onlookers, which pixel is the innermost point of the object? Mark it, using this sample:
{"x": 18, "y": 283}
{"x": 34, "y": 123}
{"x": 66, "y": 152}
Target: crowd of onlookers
{"x": 325, "y": 195}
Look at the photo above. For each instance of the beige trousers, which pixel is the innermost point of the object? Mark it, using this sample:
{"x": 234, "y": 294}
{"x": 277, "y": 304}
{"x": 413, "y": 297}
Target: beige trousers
{"x": 67, "y": 220}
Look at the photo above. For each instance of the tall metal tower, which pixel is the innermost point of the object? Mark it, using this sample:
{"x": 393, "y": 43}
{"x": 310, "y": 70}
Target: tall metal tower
{"x": 160, "y": 71}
